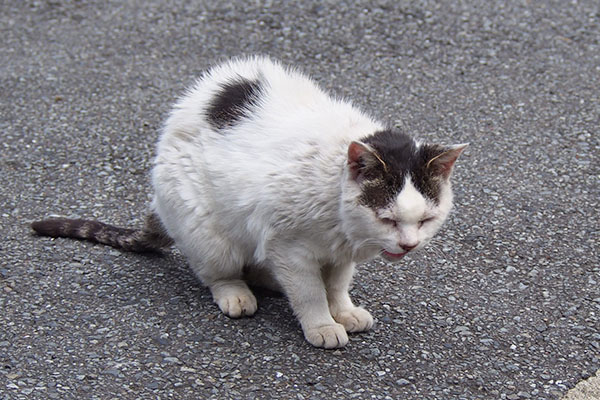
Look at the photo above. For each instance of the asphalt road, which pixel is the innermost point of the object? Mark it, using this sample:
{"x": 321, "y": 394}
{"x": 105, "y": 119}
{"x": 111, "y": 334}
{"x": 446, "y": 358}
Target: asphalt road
{"x": 506, "y": 305}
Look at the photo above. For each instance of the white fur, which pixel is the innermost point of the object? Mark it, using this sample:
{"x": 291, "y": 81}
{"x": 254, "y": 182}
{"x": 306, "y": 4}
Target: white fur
{"x": 274, "y": 193}
{"x": 408, "y": 210}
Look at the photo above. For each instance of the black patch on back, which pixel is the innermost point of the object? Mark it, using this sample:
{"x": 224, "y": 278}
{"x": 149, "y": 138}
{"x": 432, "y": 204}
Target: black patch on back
{"x": 401, "y": 156}
{"x": 233, "y": 102}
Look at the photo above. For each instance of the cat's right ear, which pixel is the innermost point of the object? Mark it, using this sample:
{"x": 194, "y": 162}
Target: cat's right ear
{"x": 361, "y": 157}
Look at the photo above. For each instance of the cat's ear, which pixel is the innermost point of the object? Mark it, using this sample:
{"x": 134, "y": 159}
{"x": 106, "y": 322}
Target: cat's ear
{"x": 361, "y": 158}
{"x": 443, "y": 162}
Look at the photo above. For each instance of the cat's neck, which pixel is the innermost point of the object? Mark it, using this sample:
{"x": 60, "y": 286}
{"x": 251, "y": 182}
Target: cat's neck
{"x": 343, "y": 246}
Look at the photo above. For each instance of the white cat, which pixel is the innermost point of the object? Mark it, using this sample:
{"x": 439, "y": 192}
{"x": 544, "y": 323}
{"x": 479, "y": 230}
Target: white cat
{"x": 260, "y": 173}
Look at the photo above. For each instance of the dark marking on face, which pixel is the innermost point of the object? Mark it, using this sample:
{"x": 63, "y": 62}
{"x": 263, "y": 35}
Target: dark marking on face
{"x": 233, "y": 102}
{"x": 402, "y": 157}
{"x": 426, "y": 179}
{"x": 379, "y": 193}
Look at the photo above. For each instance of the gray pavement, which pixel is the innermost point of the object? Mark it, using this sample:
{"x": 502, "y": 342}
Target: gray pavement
{"x": 588, "y": 389}
{"x": 506, "y": 305}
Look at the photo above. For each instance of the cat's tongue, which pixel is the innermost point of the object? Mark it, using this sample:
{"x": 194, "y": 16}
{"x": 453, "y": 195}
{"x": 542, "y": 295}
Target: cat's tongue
{"x": 393, "y": 256}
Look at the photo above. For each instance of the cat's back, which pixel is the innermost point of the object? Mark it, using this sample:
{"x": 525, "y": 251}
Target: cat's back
{"x": 256, "y": 101}
{"x": 238, "y": 91}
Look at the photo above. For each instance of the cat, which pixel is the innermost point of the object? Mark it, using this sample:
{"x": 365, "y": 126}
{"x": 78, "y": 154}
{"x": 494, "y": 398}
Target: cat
{"x": 259, "y": 171}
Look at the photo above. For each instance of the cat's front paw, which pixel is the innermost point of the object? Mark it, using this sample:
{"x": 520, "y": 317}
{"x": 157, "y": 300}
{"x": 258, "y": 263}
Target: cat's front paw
{"x": 356, "y": 319}
{"x": 327, "y": 336}
{"x": 238, "y": 305}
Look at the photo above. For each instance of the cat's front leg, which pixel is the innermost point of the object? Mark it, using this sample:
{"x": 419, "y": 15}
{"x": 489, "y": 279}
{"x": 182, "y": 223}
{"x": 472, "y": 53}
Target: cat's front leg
{"x": 303, "y": 284}
{"x": 337, "y": 282}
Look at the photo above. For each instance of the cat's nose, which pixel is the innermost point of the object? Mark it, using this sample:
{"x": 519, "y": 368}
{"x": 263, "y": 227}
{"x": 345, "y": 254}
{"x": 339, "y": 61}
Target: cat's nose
{"x": 408, "y": 246}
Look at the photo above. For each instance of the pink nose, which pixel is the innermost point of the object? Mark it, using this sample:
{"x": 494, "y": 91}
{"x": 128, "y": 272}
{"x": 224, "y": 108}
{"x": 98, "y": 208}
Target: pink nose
{"x": 408, "y": 246}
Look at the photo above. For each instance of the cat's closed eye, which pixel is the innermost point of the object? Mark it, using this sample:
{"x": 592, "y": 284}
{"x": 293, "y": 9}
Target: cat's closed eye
{"x": 425, "y": 220}
{"x": 389, "y": 221}
{"x": 393, "y": 222}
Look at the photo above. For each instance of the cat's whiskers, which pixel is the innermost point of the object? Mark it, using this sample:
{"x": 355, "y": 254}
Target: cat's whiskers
{"x": 434, "y": 245}
{"x": 366, "y": 243}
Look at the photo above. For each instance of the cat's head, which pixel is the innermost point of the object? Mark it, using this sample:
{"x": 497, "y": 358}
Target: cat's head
{"x": 397, "y": 192}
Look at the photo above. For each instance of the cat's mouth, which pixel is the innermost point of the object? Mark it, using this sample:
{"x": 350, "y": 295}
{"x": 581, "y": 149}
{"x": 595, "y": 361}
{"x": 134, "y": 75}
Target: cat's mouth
{"x": 392, "y": 256}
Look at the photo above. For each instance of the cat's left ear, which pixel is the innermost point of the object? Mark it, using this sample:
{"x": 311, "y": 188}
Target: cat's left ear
{"x": 443, "y": 163}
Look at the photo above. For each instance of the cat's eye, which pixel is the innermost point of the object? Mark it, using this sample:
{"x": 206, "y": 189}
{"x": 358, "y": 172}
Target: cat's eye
{"x": 388, "y": 221}
{"x": 424, "y": 220}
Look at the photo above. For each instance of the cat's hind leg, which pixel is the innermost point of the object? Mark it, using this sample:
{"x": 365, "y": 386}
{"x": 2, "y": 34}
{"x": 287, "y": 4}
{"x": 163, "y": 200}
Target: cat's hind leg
{"x": 233, "y": 297}
{"x": 337, "y": 281}
{"x": 220, "y": 267}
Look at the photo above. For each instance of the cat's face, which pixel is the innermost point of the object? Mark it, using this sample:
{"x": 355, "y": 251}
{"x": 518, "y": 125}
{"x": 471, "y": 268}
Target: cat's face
{"x": 398, "y": 193}
{"x": 410, "y": 220}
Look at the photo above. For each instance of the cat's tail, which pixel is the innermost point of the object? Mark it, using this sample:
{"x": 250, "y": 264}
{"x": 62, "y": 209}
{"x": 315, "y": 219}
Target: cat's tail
{"x": 151, "y": 238}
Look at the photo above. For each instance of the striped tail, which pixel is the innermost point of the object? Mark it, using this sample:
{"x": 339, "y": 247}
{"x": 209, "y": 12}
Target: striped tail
{"x": 151, "y": 238}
